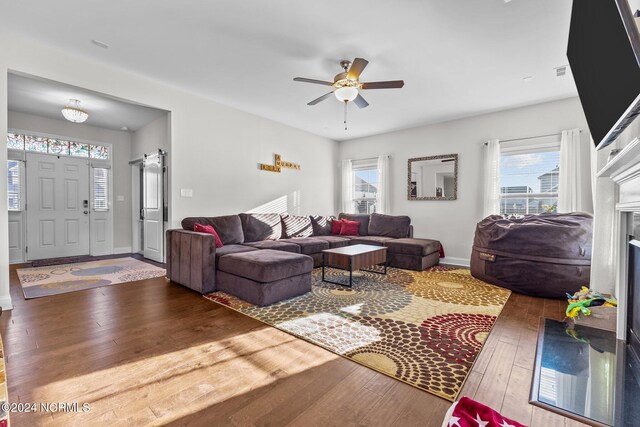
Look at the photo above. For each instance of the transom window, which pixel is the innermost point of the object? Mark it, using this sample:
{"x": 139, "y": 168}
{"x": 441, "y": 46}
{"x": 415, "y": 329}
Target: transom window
{"x": 529, "y": 178}
{"x": 39, "y": 144}
{"x": 365, "y": 185}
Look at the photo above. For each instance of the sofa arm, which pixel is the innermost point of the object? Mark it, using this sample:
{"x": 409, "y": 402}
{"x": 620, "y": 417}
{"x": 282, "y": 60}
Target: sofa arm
{"x": 410, "y": 232}
{"x": 191, "y": 259}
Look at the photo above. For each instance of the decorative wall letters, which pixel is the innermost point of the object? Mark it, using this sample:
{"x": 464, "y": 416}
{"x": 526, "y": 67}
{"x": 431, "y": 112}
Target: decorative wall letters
{"x": 278, "y": 165}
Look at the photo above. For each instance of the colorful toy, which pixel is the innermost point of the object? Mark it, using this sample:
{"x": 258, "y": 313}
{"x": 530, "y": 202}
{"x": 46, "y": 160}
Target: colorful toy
{"x": 580, "y": 302}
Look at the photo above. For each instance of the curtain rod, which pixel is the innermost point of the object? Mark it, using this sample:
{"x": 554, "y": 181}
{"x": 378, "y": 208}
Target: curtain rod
{"x": 529, "y": 137}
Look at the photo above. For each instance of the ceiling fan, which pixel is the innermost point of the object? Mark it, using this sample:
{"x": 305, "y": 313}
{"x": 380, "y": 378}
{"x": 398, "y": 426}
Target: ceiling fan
{"x": 347, "y": 86}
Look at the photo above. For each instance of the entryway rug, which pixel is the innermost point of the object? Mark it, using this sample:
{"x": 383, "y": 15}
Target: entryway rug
{"x": 424, "y": 328}
{"x": 59, "y": 279}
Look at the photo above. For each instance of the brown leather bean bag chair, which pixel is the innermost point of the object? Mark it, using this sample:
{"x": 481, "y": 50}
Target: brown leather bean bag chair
{"x": 544, "y": 255}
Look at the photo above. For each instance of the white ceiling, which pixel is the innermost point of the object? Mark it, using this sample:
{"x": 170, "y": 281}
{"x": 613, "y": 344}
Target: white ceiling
{"x": 46, "y": 98}
{"x": 457, "y": 57}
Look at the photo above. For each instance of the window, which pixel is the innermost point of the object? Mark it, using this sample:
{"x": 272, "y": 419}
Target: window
{"x": 13, "y": 185}
{"x": 365, "y": 185}
{"x": 100, "y": 189}
{"x": 40, "y": 144}
{"x": 529, "y": 178}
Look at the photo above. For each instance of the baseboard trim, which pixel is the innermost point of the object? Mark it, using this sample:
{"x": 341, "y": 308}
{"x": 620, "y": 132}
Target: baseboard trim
{"x": 5, "y": 303}
{"x": 461, "y": 262}
{"x": 126, "y": 250}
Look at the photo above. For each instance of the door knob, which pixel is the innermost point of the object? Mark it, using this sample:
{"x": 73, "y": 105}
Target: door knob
{"x": 86, "y": 212}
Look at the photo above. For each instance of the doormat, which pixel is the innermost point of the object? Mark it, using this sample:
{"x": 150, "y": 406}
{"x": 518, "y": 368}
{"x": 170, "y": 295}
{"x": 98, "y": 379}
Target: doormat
{"x": 59, "y": 279}
{"x": 58, "y": 261}
{"x": 424, "y": 328}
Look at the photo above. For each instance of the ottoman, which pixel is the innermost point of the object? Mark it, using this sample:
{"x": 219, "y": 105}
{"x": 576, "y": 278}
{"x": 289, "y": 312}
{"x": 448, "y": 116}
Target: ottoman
{"x": 413, "y": 254}
{"x": 264, "y": 277}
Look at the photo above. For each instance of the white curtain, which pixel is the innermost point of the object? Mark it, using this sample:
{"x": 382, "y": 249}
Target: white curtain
{"x": 347, "y": 187}
{"x": 382, "y": 199}
{"x": 574, "y": 178}
{"x": 491, "y": 205}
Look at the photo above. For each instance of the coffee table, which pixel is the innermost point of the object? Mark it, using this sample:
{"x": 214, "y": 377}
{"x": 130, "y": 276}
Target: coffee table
{"x": 352, "y": 258}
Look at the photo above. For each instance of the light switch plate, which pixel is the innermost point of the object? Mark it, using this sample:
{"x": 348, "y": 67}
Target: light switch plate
{"x": 186, "y": 192}
{"x": 120, "y": 198}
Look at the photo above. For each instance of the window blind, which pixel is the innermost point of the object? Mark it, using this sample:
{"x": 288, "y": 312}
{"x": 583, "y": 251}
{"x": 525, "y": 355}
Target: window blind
{"x": 101, "y": 189}
{"x": 14, "y": 190}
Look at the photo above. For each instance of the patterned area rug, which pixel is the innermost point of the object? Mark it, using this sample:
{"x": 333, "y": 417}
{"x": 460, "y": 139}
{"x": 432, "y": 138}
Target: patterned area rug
{"x": 4, "y": 395}
{"x": 424, "y": 328}
{"x": 59, "y": 279}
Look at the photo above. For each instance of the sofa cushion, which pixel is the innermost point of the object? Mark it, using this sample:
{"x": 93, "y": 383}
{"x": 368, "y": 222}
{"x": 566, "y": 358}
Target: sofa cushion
{"x": 370, "y": 240}
{"x": 229, "y": 227}
{"x": 199, "y": 228}
{"x": 258, "y": 227}
{"x": 232, "y": 249}
{"x": 266, "y": 265}
{"x": 275, "y": 245}
{"x": 389, "y": 225}
{"x": 308, "y": 245}
{"x": 417, "y": 247}
{"x": 362, "y": 218}
{"x": 321, "y": 225}
{"x": 335, "y": 241}
{"x": 296, "y": 226}
{"x": 349, "y": 228}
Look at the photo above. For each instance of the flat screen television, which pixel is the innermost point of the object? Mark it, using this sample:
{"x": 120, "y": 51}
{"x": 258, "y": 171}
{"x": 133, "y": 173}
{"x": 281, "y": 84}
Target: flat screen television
{"x": 604, "y": 55}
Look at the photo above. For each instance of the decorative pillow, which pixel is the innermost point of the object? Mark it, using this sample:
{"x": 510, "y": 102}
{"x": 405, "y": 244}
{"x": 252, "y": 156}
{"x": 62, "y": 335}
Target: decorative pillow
{"x": 296, "y": 226}
{"x": 362, "y": 218}
{"x": 210, "y": 230}
{"x": 389, "y": 225}
{"x": 336, "y": 226}
{"x": 349, "y": 228}
{"x": 321, "y": 225}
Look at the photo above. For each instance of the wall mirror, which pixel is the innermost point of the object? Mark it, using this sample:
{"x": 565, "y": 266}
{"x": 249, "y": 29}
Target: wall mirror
{"x": 433, "y": 178}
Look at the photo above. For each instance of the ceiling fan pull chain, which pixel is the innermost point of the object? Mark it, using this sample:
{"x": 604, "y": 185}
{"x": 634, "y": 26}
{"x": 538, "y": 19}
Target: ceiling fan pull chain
{"x": 345, "y": 115}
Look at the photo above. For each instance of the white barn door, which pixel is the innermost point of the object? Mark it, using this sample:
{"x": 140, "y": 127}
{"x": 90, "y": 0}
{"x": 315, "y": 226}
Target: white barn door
{"x": 153, "y": 218}
{"x": 57, "y": 206}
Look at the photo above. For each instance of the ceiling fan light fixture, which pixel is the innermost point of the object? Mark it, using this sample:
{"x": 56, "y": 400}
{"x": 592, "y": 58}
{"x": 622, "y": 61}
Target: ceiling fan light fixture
{"x": 346, "y": 94}
{"x": 74, "y": 113}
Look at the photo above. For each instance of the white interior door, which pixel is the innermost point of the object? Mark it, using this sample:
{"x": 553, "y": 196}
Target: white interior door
{"x": 153, "y": 221}
{"x": 57, "y": 206}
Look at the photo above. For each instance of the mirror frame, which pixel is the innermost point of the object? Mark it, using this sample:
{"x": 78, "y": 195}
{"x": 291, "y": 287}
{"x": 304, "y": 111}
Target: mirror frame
{"x": 455, "y": 177}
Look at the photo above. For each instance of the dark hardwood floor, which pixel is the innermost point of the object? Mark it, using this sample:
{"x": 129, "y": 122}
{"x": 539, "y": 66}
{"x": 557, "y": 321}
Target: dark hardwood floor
{"x": 155, "y": 353}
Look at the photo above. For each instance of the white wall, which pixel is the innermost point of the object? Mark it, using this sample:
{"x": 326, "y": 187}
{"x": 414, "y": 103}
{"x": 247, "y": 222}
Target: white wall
{"x": 453, "y": 222}
{"x": 151, "y": 137}
{"x": 214, "y": 150}
{"x": 121, "y": 145}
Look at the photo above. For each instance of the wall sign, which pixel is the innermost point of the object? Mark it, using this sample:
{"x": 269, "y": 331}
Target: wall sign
{"x": 278, "y": 165}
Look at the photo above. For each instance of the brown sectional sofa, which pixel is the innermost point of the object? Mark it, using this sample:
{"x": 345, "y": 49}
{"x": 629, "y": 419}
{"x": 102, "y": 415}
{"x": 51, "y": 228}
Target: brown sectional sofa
{"x": 269, "y": 257}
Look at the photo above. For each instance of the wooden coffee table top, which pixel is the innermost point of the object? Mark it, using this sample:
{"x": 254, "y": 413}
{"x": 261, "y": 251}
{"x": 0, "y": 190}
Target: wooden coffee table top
{"x": 355, "y": 250}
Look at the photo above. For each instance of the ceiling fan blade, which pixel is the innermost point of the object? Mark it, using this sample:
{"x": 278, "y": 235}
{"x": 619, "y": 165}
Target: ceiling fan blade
{"x": 322, "y": 98}
{"x": 393, "y": 84}
{"x": 318, "y": 82}
{"x": 360, "y": 102}
{"x": 356, "y": 68}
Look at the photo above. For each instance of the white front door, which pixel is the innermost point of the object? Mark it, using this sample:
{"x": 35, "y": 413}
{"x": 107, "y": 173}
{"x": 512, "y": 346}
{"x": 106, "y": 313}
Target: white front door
{"x": 57, "y": 206}
{"x": 152, "y": 209}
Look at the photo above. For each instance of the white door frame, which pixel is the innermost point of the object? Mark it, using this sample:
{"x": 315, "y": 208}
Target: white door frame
{"x": 153, "y": 206}
{"x": 21, "y": 154}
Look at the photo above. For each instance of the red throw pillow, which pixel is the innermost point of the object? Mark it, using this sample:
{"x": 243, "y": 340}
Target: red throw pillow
{"x": 209, "y": 230}
{"x": 349, "y": 228}
{"x": 336, "y": 225}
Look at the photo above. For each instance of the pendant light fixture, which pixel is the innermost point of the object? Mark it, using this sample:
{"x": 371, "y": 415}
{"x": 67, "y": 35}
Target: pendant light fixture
{"x": 74, "y": 113}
